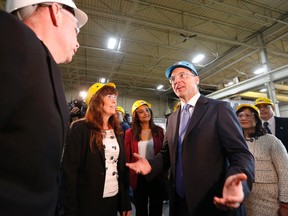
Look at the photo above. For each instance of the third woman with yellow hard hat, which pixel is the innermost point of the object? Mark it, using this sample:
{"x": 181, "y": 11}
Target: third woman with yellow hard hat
{"x": 145, "y": 138}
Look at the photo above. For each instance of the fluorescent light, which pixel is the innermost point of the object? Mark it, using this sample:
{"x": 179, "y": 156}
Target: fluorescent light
{"x": 102, "y": 80}
{"x": 259, "y": 71}
{"x": 160, "y": 87}
{"x": 83, "y": 94}
{"x": 119, "y": 45}
{"x": 263, "y": 90}
{"x": 198, "y": 58}
{"x": 112, "y": 43}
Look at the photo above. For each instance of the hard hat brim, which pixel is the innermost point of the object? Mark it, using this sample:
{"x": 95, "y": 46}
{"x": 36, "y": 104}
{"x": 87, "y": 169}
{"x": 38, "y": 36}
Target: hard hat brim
{"x": 248, "y": 106}
{"x": 183, "y": 64}
{"x": 81, "y": 17}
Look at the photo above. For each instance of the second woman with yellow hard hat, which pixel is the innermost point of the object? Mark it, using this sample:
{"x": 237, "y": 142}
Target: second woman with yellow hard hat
{"x": 145, "y": 138}
{"x": 95, "y": 179}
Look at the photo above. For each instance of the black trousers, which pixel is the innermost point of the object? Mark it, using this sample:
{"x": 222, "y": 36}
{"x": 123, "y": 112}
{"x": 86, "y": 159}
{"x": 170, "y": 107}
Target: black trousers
{"x": 181, "y": 208}
{"x": 148, "y": 195}
{"x": 109, "y": 206}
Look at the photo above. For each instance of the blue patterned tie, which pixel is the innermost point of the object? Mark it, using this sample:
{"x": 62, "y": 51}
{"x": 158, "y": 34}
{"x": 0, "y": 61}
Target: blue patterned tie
{"x": 185, "y": 116}
{"x": 265, "y": 124}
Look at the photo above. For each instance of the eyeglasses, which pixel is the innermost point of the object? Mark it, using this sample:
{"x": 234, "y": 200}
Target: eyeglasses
{"x": 70, "y": 9}
{"x": 71, "y": 12}
{"x": 245, "y": 115}
{"x": 181, "y": 76}
{"x": 66, "y": 8}
{"x": 111, "y": 97}
{"x": 142, "y": 111}
{"x": 263, "y": 106}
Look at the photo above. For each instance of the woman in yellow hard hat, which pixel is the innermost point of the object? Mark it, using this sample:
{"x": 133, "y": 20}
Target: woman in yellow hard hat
{"x": 270, "y": 188}
{"x": 95, "y": 179}
{"x": 145, "y": 138}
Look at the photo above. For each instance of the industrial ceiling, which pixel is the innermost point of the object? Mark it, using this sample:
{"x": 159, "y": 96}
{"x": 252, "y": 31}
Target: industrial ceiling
{"x": 236, "y": 36}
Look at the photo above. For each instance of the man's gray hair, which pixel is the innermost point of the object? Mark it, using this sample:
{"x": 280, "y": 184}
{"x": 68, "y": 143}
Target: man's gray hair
{"x": 25, "y": 12}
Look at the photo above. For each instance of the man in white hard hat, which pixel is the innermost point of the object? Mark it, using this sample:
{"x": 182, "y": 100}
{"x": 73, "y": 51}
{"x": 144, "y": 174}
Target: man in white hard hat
{"x": 34, "y": 114}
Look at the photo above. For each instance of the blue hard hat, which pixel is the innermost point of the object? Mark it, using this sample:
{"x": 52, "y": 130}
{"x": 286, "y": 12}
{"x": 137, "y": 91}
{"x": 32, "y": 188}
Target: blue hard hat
{"x": 183, "y": 64}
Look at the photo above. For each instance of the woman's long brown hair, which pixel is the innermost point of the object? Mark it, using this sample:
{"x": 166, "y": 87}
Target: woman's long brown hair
{"x": 94, "y": 118}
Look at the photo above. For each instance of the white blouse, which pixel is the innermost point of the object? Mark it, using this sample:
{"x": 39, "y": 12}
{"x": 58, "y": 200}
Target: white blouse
{"x": 146, "y": 148}
{"x": 111, "y": 150}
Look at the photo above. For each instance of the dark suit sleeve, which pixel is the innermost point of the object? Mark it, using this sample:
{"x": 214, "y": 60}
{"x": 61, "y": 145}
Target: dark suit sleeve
{"x": 282, "y": 130}
{"x": 161, "y": 161}
{"x": 17, "y": 58}
{"x": 239, "y": 157}
{"x": 123, "y": 198}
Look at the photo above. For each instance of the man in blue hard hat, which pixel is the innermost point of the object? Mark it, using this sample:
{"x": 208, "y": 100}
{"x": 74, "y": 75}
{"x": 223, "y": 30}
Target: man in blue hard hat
{"x": 211, "y": 168}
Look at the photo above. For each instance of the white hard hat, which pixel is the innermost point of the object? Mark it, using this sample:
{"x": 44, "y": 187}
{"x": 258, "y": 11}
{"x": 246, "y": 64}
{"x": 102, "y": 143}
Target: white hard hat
{"x": 13, "y": 5}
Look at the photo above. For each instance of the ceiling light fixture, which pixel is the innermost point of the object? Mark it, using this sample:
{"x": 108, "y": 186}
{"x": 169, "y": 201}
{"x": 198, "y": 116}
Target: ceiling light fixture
{"x": 228, "y": 84}
{"x": 83, "y": 94}
{"x": 112, "y": 43}
{"x": 259, "y": 71}
{"x": 102, "y": 80}
{"x": 160, "y": 87}
{"x": 198, "y": 58}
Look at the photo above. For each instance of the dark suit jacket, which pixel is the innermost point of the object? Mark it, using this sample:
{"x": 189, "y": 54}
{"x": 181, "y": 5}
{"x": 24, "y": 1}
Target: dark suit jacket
{"x": 213, "y": 148}
{"x": 281, "y": 129}
{"x": 84, "y": 175}
{"x": 33, "y": 120}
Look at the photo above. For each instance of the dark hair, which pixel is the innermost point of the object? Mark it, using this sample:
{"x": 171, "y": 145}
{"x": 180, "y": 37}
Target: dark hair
{"x": 136, "y": 126}
{"x": 94, "y": 117}
{"x": 259, "y": 130}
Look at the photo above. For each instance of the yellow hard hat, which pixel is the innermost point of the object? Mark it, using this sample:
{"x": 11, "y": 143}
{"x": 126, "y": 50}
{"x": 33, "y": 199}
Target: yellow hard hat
{"x": 95, "y": 88}
{"x": 248, "y": 106}
{"x": 120, "y": 109}
{"x": 139, "y": 103}
{"x": 263, "y": 100}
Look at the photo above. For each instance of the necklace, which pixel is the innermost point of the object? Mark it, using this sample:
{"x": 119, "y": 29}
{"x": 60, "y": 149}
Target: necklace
{"x": 108, "y": 133}
{"x": 251, "y": 139}
{"x": 147, "y": 131}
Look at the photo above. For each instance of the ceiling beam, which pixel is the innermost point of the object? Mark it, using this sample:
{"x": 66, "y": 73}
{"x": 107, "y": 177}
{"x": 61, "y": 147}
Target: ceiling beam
{"x": 157, "y": 25}
{"x": 234, "y": 52}
{"x": 254, "y": 95}
{"x": 249, "y": 84}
